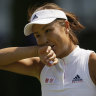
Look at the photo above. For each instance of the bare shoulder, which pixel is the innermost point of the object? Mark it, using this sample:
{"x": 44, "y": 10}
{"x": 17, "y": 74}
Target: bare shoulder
{"x": 92, "y": 66}
{"x": 92, "y": 59}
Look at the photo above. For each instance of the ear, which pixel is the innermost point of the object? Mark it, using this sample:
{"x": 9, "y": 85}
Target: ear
{"x": 67, "y": 26}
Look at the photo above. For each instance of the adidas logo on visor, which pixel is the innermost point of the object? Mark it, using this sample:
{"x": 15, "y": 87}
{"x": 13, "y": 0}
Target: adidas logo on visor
{"x": 35, "y": 17}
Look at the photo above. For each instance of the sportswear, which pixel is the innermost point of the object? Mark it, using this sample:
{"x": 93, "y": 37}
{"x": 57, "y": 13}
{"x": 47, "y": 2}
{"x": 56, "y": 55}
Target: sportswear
{"x": 70, "y": 77}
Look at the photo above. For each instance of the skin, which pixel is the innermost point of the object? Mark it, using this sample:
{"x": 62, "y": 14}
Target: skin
{"x": 54, "y": 34}
{"x": 92, "y": 67}
{"x": 53, "y": 42}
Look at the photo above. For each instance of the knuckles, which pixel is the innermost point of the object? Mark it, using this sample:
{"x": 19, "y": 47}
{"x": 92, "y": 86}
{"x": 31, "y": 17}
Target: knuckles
{"x": 46, "y": 55}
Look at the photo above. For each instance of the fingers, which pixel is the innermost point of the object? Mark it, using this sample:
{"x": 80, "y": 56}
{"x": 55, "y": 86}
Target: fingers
{"x": 51, "y": 63}
{"x": 44, "y": 50}
{"x": 47, "y": 56}
{"x": 51, "y": 55}
{"x": 48, "y": 49}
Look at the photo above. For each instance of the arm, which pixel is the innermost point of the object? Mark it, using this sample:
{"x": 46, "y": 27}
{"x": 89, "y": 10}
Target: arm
{"x": 17, "y": 59}
{"x": 92, "y": 67}
{"x": 29, "y": 66}
{"x": 13, "y": 54}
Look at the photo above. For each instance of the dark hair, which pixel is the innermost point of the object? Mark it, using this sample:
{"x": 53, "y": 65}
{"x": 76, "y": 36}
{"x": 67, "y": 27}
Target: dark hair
{"x": 72, "y": 19}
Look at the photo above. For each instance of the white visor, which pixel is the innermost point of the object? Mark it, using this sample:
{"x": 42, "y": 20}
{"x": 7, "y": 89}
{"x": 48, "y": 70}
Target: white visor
{"x": 43, "y": 17}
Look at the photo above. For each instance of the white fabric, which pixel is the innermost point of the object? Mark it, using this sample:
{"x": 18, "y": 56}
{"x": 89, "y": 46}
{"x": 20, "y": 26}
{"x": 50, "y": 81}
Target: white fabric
{"x": 43, "y": 17}
{"x": 70, "y": 77}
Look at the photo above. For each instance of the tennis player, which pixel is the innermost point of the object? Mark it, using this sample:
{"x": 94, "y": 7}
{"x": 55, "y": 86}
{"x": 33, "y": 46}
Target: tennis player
{"x": 63, "y": 68}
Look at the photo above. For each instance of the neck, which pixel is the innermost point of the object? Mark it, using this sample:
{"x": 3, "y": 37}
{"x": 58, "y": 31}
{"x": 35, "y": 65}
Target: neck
{"x": 68, "y": 50}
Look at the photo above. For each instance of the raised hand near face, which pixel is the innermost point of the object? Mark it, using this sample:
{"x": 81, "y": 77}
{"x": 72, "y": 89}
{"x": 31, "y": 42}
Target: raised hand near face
{"x": 47, "y": 55}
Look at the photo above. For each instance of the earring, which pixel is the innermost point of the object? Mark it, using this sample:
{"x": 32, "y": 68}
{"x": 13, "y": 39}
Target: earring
{"x": 67, "y": 30}
{"x": 62, "y": 23}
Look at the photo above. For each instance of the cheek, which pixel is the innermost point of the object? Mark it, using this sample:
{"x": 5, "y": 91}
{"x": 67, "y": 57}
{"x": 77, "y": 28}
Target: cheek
{"x": 59, "y": 34}
{"x": 38, "y": 41}
{"x": 62, "y": 43}
{"x": 60, "y": 39}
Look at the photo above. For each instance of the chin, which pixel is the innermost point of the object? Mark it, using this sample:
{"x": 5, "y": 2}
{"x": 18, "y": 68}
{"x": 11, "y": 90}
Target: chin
{"x": 58, "y": 55}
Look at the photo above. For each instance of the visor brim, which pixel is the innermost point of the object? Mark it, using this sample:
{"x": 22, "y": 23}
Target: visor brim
{"x": 28, "y": 27}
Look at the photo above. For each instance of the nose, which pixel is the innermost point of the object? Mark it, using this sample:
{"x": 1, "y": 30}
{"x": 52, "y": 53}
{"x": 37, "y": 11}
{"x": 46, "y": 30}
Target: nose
{"x": 43, "y": 41}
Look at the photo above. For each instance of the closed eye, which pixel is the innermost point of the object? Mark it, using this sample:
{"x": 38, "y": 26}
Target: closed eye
{"x": 48, "y": 30}
{"x": 37, "y": 35}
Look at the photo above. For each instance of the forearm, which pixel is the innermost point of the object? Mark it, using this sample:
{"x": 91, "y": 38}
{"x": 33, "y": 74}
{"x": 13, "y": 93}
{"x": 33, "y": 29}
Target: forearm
{"x": 13, "y": 54}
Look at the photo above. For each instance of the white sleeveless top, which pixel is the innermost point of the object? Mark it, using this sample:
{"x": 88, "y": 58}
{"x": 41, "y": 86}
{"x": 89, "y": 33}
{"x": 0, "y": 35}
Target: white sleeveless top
{"x": 70, "y": 77}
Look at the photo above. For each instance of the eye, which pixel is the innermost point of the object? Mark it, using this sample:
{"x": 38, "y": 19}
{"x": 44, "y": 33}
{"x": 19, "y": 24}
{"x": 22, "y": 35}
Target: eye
{"x": 48, "y": 30}
{"x": 37, "y": 36}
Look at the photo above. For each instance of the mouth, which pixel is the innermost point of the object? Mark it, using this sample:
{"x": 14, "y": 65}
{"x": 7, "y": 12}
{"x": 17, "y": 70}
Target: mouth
{"x": 53, "y": 47}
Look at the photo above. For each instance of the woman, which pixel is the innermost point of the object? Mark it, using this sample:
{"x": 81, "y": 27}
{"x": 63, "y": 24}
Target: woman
{"x": 63, "y": 68}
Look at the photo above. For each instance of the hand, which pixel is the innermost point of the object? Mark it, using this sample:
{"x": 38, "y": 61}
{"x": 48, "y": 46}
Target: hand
{"x": 47, "y": 55}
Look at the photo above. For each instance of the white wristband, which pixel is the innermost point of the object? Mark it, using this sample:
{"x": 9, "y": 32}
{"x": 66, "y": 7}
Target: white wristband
{"x": 50, "y": 62}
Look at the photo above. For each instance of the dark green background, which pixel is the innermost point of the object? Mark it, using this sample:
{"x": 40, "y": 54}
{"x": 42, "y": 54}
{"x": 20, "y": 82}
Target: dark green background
{"x": 12, "y": 84}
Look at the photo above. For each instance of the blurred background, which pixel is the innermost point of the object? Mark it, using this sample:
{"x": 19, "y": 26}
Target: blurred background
{"x": 13, "y": 17}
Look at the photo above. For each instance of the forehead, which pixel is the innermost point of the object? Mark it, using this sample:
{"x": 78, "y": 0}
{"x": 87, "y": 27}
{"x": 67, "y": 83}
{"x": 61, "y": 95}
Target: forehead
{"x": 37, "y": 27}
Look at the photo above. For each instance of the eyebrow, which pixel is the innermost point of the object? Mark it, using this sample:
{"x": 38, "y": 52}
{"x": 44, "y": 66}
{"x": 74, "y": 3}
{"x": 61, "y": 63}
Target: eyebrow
{"x": 45, "y": 26}
{"x": 35, "y": 32}
{"x": 42, "y": 29}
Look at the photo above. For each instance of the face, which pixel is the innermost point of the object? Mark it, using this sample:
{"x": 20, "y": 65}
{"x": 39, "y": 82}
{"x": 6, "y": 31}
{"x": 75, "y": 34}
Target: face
{"x": 53, "y": 35}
